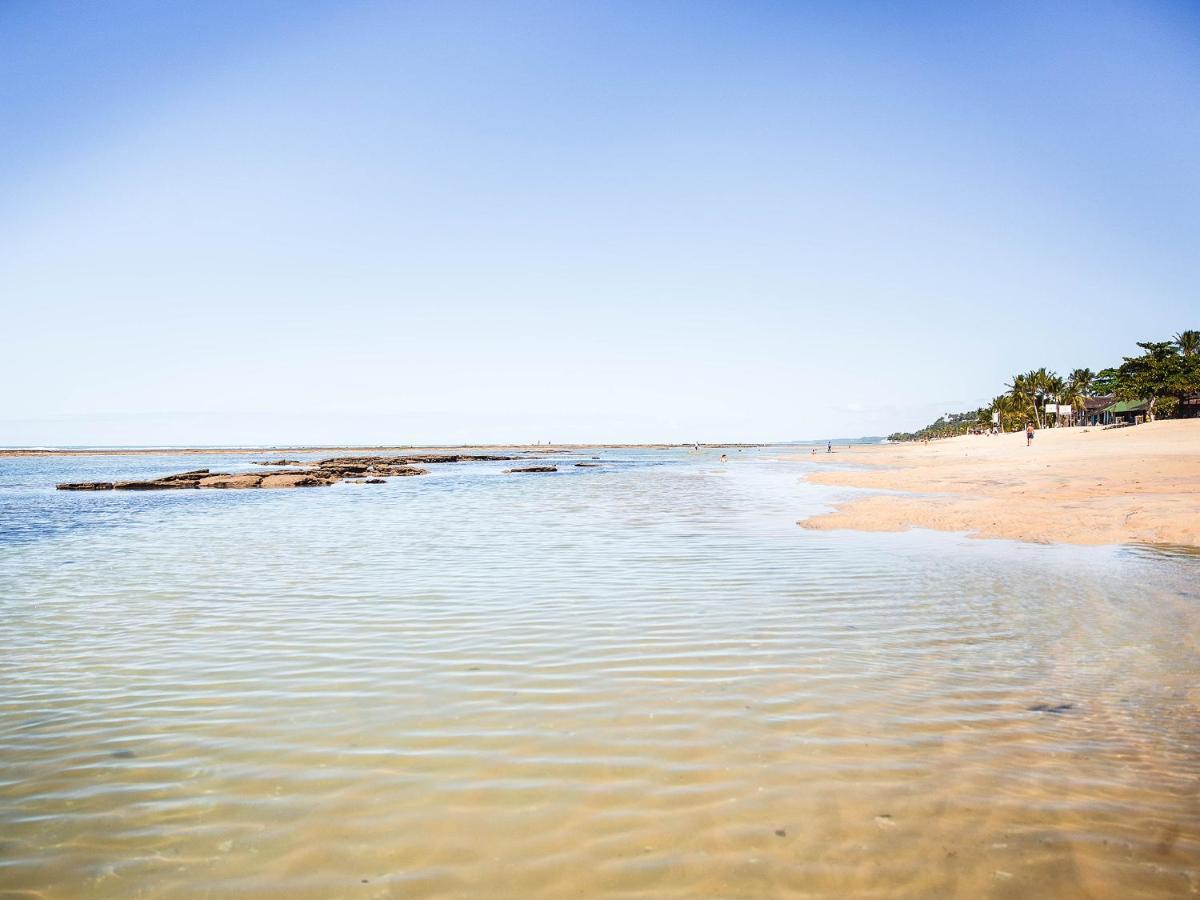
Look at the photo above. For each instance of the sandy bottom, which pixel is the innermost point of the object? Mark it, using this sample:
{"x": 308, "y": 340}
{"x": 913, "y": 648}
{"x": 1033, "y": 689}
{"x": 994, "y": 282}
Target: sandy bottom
{"x": 1076, "y": 485}
{"x": 639, "y": 682}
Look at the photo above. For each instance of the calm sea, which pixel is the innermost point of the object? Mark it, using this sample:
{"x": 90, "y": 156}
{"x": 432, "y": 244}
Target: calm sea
{"x": 635, "y": 680}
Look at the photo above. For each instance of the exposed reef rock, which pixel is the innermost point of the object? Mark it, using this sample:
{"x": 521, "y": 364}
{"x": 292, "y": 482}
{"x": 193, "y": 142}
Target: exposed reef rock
{"x": 532, "y": 469}
{"x": 359, "y": 461}
{"x": 293, "y": 479}
{"x": 364, "y": 469}
{"x": 279, "y": 462}
{"x": 230, "y": 481}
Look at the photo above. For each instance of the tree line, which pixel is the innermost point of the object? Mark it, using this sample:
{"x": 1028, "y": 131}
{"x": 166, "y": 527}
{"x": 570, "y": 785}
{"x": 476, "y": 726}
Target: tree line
{"x": 1163, "y": 375}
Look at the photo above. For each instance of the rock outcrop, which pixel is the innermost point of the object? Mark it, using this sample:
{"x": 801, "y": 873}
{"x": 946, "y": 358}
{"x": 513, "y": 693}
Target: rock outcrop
{"x": 293, "y": 479}
{"x": 230, "y": 481}
{"x": 366, "y": 469}
{"x": 531, "y": 469}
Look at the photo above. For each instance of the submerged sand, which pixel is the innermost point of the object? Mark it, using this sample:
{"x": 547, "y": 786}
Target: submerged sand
{"x": 1076, "y": 485}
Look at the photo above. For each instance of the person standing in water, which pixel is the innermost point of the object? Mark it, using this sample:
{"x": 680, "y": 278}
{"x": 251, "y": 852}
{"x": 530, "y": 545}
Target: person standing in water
{"x": 1028, "y": 433}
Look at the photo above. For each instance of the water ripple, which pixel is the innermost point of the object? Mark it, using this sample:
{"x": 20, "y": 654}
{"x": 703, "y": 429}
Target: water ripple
{"x": 639, "y": 680}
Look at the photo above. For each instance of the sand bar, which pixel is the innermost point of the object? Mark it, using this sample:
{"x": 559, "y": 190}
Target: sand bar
{"x": 1075, "y": 485}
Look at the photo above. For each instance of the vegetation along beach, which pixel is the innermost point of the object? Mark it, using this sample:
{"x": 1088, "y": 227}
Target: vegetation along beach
{"x": 1086, "y": 478}
{"x": 1080, "y": 485}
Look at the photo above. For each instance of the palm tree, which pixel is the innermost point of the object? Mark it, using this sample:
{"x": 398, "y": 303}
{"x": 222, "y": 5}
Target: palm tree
{"x": 1080, "y": 380}
{"x": 1079, "y": 388}
{"x": 1023, "y": 389}
{"x": 1188, "y": 342}
{"x": 1008, "y": 407}
{"x": 1053, "y": 390}
{"x": 1035, "y": 387}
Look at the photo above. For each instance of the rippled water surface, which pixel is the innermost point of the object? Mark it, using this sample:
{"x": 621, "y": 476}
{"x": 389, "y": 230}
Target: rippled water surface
{"x": 637, "y": 680}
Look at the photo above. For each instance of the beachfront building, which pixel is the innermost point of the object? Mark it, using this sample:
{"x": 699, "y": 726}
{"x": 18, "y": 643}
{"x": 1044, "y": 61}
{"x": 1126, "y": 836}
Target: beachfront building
{"x": 1127, "y": 412}
{"x": 1093, "y": 412}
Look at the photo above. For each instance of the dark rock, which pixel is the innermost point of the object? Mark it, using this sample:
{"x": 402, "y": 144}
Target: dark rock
{"x": 376, "y": 481}
{"x": 279, "y": 462}
{"x": 157, "y": 484}
{"x": 586, "y": 465}
{"x": 1051, "y": 707}
{"x": 370, "y": 469}
{"x": 532, "y": 469}
{"x": 362, "y": 463}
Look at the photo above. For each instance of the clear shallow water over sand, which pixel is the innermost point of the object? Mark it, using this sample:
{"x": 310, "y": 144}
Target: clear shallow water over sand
{"x": 641, "y": 680}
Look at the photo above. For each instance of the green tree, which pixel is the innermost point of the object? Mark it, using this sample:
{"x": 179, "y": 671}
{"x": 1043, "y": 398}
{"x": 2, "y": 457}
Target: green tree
{"x": 1035, "y": 388}
{"x": 1080, "y": 381}
{"x": 1054, "y": 390}
{"x": 1023, "y": 390}
{"x": 1009, "y": 409}
{"x": 1162, "y": 371}
{"x": 1188, "y": 342}
{"x": 1078, "y": 389}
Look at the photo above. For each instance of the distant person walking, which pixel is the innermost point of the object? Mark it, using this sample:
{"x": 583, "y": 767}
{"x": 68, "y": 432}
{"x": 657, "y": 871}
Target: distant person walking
{"x": 1028, "y": 433}
{"x": 829, "y": 447}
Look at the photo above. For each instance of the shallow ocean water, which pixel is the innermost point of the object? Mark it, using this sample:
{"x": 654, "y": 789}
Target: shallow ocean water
{"x": 637, "y": 680}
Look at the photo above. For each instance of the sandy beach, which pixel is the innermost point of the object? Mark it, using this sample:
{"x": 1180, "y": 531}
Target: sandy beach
{"x": 1075, "y": 485}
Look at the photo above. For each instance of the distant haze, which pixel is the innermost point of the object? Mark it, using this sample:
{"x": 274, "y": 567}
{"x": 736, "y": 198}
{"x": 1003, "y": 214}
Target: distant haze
{"x": 228, "y": 223}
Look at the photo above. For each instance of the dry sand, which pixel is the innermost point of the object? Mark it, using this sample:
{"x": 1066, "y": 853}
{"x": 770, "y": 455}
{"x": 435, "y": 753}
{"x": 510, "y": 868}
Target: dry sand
{"x": 1076, "y": 485}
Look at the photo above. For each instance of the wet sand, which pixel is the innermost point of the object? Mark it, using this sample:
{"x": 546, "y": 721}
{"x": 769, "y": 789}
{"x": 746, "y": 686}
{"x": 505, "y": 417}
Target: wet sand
{"x": 1075, "y": 485}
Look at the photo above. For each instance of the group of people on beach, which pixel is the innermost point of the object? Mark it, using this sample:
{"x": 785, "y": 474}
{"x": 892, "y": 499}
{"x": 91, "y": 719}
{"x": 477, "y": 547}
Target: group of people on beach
{"x": 994, "y": 430}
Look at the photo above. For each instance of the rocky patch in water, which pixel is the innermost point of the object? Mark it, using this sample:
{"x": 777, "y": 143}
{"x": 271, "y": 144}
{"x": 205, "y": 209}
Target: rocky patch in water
{"x": 364, "y": 469}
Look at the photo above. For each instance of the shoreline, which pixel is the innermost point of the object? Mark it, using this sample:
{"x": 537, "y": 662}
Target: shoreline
{"x": 1073, "y": 485}
{"x": 17, "y": 452}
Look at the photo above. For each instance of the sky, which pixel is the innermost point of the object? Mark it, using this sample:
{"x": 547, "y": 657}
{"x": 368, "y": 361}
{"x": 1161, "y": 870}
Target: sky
{"x": 289, "y": 222}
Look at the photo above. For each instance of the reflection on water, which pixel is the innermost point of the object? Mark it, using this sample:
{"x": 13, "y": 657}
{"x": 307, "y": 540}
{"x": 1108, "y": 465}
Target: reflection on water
{"x": 635, "y": 680}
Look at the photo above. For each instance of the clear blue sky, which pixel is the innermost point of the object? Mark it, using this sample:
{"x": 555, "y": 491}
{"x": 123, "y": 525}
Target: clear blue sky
{"x": 373, "y": 222}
